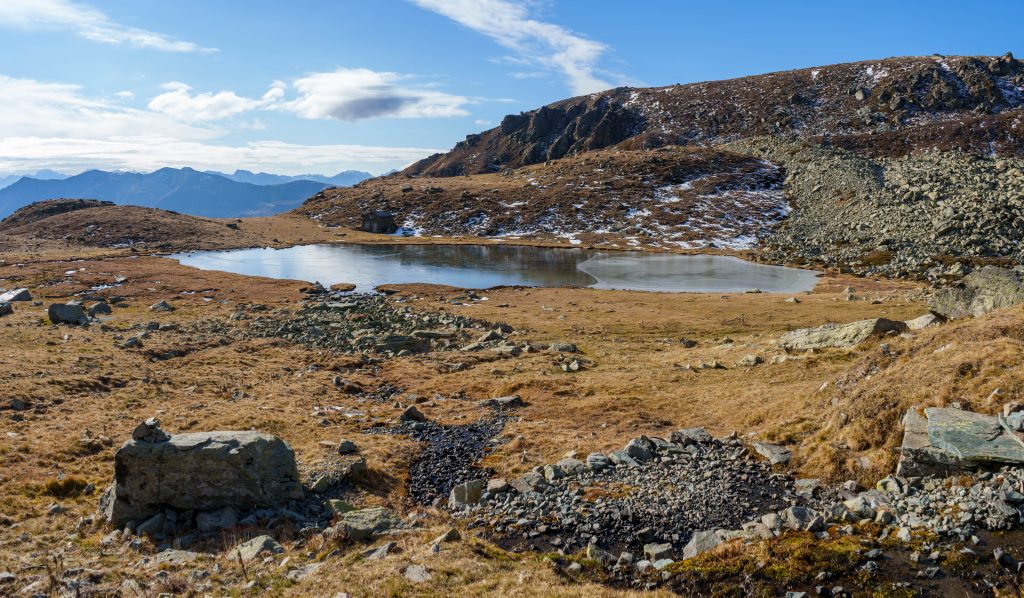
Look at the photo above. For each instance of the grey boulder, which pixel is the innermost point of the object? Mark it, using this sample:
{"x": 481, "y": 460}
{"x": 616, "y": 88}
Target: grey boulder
{"x": 15, "y": 295}
{"x": 199, "y": 471}
{"x": 364, "y": 524}
{"x": 67, "y": 313}
{"x": 702, "y": 542}
{"x": 258, "y": 546}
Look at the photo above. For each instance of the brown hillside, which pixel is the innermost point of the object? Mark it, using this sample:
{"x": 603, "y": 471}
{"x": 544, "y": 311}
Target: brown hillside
{"x": 672, "y": 197}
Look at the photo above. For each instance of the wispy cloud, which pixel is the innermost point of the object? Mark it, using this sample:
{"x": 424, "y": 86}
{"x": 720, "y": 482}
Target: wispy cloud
{"x": 359, "y": 94}
{"x": 88, "y": 22}
{"x": 55, "y": 125}
{"x": 535, "y": 42}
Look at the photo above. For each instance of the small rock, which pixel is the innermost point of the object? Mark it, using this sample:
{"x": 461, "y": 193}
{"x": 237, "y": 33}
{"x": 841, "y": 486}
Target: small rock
{"x": 416, "y": 574}
{"x": 161, "y": 306}
{"x": 247, "y": 551}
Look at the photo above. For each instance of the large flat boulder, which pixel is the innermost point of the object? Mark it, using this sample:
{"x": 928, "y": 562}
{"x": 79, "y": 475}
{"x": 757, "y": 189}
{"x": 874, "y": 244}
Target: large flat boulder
{"x": 943, "y": 441}
{"x": 839, "y": 335}
{"x": 979, "y": 292}
{"x": 972, "y": 437}
{"x": 199, "y": 471}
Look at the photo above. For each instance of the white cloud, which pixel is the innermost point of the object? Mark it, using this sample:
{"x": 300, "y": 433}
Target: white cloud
{"x": 482, "y": 122}
{"x": 359, "y": 94}
{"x": 54, "y": 125}
{"x": 145, "y": 154}
{"x": 181, "y": 104}
{"x": 125, "y": 95}
{"x": 535, "y": 42}
{"x": 87, "y": 22}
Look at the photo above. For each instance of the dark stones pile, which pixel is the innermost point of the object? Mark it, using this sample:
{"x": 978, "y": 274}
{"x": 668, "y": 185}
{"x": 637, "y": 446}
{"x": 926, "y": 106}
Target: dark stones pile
{"x": 367, "y": 323}
{"x": 449, "y": 456}
{"x": 680, "y": 489}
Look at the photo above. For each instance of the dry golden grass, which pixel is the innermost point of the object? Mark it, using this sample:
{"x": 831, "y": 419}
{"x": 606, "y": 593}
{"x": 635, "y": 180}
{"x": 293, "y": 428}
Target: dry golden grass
{"x": 75, "y": 380}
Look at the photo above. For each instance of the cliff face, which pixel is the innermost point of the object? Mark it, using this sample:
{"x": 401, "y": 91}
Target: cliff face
{"x": 844, "y": 100}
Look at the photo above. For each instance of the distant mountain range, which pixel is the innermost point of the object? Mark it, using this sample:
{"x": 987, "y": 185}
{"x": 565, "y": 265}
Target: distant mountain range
{"x": 43, "y": 175}
{"x": 184, "y": 190}
{"x": 346, "y": 178}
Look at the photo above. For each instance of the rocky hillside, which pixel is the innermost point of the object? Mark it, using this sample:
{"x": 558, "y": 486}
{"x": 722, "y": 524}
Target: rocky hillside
{"x": 843, "y": 100}
{"x": 933, "y": 214}
{"x": 672, "y": 198}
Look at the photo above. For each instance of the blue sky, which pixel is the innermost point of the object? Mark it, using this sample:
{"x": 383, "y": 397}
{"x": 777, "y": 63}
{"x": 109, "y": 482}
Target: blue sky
{"x": 322, "y": 86}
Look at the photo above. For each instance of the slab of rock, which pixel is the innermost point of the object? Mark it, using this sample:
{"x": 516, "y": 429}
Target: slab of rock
{"x": 174, "y": 558}
{"x": 379, "y": 552}
{"x": 67, "y": 313}
{"x": 839, "y": 335}
{"x": 5, "y": 308}
{"x": 199, "y": 471}
{"x": 942, "y": 441}
{"x": 656, "y": 552}
{"x": 917, "y": 456}
{"x": 972, "y": 437}
{"x": 364, "y": 524}
{"x": 979, "y": 292}
{"x": 776, "y": 455}
{"x": 417, "y": 574}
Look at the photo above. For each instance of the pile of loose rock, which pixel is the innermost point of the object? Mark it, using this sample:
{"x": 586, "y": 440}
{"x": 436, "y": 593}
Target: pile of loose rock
{"x": 895, "y": 216}
{"x": 658, "y": 501}
{"x": 376, "y": 323}
{"x": 654, "y": 492}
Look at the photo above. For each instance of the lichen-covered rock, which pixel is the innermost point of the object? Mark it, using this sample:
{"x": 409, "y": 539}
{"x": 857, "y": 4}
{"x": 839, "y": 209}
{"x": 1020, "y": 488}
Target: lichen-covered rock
{"x": 837, "y": 336}
{"x": 201, "y": 471}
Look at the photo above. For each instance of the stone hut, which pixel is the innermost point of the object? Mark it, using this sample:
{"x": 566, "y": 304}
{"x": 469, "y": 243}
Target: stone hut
{"x": 379, "y": 222}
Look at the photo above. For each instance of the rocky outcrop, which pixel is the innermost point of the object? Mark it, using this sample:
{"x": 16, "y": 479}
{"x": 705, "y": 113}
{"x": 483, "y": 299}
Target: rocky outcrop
{"x": 842, "y": 100}
{"x": 839, "y": 335}
{"x": 979, "y": 292}
{"x": 200, "y": 471}
{"x": 548, "y": 133}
